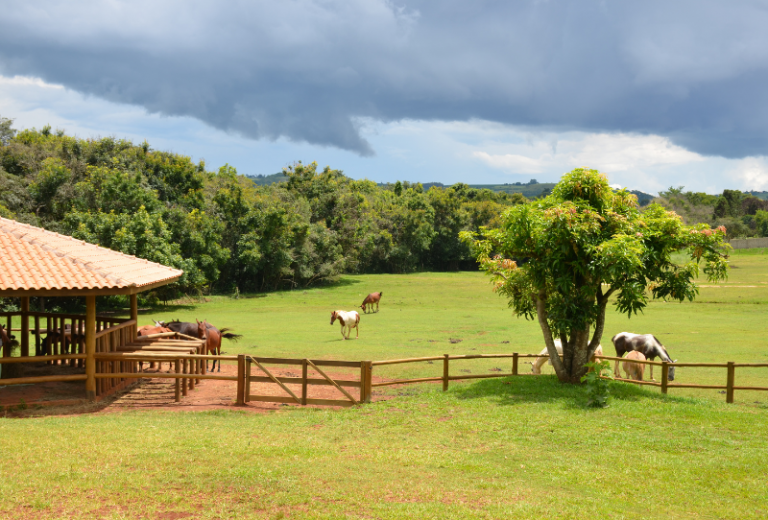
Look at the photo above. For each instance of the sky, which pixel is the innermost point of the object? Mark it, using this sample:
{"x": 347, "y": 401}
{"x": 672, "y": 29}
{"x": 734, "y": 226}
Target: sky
{"x": 654, "y": 93}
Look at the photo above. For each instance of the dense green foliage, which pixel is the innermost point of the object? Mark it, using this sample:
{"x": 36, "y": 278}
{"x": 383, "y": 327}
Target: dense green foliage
{"x": 223, "y": 229}
{"x": 561, "y": 258}
{"x": 742, "y": 214}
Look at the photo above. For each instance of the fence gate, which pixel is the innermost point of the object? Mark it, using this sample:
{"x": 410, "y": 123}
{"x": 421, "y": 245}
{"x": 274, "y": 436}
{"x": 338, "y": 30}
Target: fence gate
{"x": 257, "y": 372}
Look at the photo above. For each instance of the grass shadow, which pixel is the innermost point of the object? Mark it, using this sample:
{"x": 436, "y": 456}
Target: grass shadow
{"x": 510, "y": 391}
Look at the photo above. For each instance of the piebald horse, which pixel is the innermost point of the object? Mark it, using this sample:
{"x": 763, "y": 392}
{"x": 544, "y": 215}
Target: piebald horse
{"x": 370, "y": 300}
{"x": 349, "y": 320}
{"x": 647, "y": 344}
{"x": 544, "y": 356}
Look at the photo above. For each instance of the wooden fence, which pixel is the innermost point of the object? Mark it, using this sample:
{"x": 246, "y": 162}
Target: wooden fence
{"x": 258, "y": 363}
{"x": 730, "y": 375}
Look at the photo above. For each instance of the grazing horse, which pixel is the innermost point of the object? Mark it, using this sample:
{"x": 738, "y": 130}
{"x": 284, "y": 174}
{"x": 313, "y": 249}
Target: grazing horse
{"x": 370, "y": 300}
{"x": 544, "y": 356}
{"x": 634, "y": 370}
{"x": 349, "y": 320}
{"x": 647, "y": 344}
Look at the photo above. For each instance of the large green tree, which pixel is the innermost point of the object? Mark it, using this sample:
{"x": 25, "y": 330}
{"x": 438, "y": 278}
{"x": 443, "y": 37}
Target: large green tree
{"x": 561, "y": 259}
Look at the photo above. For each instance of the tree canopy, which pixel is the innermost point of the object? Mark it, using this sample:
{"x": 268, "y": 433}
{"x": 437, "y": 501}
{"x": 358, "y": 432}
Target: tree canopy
{"x": 561, "y": 260}
{"x": 224, "y": 230}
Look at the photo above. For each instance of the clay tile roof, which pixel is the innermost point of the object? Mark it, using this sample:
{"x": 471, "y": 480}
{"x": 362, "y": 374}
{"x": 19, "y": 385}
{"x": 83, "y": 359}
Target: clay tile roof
{"x": 32, "y": 258}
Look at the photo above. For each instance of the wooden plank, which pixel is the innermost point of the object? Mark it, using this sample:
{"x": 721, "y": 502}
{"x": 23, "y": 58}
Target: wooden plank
{"x": 514, "y": 364}
{"x": 274, "y": 379}
{"x": 90, "y": 347}
{"x": 751, "y": 365}
{"x": 39, "y": 359}
{"x": 664, "y": 377}
{"x": 760, "y": 388}
{"x": 406, "y": 381}
{"x": 281, "y": 399}
{"x": 161, "y": 375}
{"x": 482, "y": 356}
{"x": 406, "y": 360}
{"x": 304, "y": 381}
{"x": 340, "y": 389}
{"x": 310, "y": 381}
{"x": 177, "y": 383}
{"x": 707, "y": 387}
{"x": 446, "y": 377}
{"x": 479, "y": 376}
{"x": 42, "y": 379}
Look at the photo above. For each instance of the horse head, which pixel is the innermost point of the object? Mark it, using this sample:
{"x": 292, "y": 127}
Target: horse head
{"x": 671, "y": 375}
{"x": 334, "y": 315}
{"x": 202, "y": 330}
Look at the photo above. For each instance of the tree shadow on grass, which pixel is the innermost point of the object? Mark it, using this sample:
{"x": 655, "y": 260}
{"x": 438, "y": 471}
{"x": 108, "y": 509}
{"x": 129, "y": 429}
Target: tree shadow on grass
{"x": 511, "y": 391}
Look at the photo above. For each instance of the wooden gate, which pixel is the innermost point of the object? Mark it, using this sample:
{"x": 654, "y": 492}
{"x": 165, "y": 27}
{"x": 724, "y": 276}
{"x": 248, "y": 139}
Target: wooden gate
{"x": 256, "y": 371}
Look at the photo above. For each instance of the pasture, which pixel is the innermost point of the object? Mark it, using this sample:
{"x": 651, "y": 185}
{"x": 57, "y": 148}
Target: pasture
{"x": 524, "y": 447}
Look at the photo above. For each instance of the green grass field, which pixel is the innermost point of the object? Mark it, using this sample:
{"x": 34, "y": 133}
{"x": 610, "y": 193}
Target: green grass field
{"x": 524, "y": 447}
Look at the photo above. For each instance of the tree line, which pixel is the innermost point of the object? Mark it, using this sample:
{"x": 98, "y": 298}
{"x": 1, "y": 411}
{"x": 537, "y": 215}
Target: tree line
{"x": 226, "y": 232}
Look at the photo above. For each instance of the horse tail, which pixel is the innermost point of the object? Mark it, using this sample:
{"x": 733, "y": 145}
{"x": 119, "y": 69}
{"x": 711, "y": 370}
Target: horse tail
{"x": 223, "y": 333}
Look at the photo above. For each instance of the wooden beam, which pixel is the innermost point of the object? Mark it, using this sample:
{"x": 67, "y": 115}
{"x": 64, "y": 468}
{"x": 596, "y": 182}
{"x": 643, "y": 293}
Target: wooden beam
{"x": 90, "y": 347}
{"x": 24, "y": 326}
{"x": 135, "y": 313}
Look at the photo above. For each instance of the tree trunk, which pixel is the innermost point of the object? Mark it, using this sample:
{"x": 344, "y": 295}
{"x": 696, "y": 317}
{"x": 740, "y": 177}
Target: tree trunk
{"x": 578, "y": 349}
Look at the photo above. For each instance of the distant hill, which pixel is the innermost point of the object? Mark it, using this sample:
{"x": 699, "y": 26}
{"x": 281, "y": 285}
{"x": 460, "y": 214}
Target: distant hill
{"x": 265, "y": 180}
{"x": 530, "y": 190}
{"x": 762, "y": 195}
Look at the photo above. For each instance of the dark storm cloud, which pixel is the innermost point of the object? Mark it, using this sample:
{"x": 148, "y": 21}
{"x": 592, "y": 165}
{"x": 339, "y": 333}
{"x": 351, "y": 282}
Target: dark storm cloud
{"x": 309, "y": 71}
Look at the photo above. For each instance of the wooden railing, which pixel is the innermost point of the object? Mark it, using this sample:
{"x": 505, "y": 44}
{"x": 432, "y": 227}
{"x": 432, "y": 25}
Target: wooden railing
{"x": 730, "y": 375}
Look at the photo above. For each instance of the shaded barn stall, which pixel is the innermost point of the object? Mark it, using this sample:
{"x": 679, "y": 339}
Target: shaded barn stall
{"x": 70, "y": 348}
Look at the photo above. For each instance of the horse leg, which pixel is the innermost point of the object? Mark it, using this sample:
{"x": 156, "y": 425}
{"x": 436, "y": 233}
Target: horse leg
{"x": 377, "y": 306}
{"x": 357, "y": 330}
{"x": 652, "y": 379}
{"x": 218, "y": 353}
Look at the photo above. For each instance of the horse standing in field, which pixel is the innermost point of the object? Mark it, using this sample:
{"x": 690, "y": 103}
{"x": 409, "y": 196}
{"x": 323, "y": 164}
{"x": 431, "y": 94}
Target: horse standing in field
{"x": 370, "y": 300}
{"x": 202, "y": 330}
{"x": 647, "y": 344}
{"x": 544, "y": 356}
{"x": 634, "y": 370}
{"x": 349, "y": 320}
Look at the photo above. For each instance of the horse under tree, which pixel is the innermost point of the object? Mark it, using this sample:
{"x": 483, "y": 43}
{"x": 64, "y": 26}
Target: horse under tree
{"x": 561, "y": 258}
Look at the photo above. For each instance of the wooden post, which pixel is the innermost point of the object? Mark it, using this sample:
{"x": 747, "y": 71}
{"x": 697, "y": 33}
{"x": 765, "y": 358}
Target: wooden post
{"x": 177, "y": 394}
{"x": 514, "y": 363}
{"x": 90, "y": 347}
{"x": 240, "y": 379}
{"x": 24, "y": 326}
{"x": 664, "y": 376}
{"x": 729, "y": 384}
{"x": 366, "y": 380}
{"x": 446, "y": 357}
{"x": 304, "y": 382}
{"x": 184, "y": 380}
{"x": 135, "y": 314}
{"x": 247, "y": 395}
{"x": 37, "y": 334}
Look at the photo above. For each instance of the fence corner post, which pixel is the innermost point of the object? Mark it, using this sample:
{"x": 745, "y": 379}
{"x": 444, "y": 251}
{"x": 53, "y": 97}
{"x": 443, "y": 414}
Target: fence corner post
{"x": 514, "y": 363}
{"x": 240, "y": 379}
{"x": 730, "y": 383}
{"x": 664, "y": 376}
{"x": 446, "y": 358}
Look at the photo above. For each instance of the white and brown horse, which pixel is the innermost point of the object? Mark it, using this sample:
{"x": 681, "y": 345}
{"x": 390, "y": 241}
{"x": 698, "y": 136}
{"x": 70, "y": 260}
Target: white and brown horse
{"x": 370, "y": 300}
{"x": 647, "y": 344}
{"x": 544, "y": 356}
{"x": 631, "y": 369}
{"x": 349, "y": 320}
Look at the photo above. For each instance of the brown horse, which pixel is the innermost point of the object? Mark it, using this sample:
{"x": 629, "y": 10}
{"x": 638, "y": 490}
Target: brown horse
{"x": 370, "y": 300}
{"x": 212, "y": 337}
{"x": 7, "y": 342}
{"x": 148, "y": 330}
